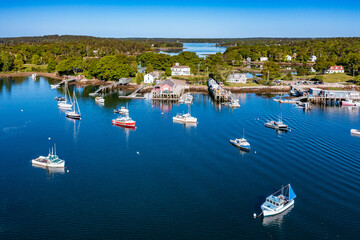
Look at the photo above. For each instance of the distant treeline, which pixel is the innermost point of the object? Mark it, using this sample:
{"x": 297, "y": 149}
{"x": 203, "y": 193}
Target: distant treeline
{"x": 111, "y": 58}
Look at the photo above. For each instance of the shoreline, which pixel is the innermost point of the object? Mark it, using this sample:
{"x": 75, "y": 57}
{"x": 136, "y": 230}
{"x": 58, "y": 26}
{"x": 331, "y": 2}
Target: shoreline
{"x": 192, "y": 88}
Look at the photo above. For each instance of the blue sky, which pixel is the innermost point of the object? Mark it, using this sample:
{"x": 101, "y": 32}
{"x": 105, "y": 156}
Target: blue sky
{"x": 186, "y": 19}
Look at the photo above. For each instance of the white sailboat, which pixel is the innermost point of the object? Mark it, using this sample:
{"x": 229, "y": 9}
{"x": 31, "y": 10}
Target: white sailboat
{"x": 64, "y": 104}
{"x": 73, "y": 113}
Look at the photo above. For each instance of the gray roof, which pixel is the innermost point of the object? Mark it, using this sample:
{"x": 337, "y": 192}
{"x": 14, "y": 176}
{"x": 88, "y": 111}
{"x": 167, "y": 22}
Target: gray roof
{"x": 168, "y": 82}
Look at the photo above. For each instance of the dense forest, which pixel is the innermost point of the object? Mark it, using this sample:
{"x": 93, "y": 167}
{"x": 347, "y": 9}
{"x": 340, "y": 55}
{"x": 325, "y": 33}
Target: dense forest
{"x": 112, "y": 58}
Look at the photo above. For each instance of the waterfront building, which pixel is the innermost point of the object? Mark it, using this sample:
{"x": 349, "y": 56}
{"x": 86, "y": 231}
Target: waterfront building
{"x": 313, "y": 58}
{"x": 339, "y": 94}
{"x": 237, "y": 78}
{"x": 263, "y": 59}
{"x": 165, "y": 86}
{"x": 151, "y": 77}
{"x": 335, "y": 69}
{"x": 178, "y": 70}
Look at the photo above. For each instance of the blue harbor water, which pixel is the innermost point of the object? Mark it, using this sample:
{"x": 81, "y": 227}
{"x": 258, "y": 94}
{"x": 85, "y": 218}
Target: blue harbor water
{"x": 167, "y": 181}
{"x": 201, "y": 49}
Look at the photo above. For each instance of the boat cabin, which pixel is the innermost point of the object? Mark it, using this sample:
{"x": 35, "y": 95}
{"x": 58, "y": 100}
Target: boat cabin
{"x": 275, "y": 201}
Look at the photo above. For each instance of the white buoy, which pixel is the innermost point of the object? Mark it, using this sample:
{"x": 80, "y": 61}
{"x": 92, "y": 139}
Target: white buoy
{"x": 138, "y": 153}
{"x": 67, "y": 171}
{"x": 22, "y": 110}
{"x": 49, "y": 138}
{"x": 254, "y": 215}
{"x": 255, "y": 152}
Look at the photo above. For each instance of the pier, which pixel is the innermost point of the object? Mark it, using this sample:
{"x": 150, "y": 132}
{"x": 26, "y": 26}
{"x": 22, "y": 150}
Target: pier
{"x": 134, "y": 94}
{"x": 217, "y": 92}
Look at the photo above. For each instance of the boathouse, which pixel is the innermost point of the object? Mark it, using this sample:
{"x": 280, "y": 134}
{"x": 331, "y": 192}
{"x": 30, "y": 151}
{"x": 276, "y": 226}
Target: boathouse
{"x": 166, "y": 90}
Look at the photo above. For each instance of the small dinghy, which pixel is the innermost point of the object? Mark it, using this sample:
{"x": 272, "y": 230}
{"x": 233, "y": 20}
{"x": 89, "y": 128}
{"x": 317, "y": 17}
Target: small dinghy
{"x": 60, "y": 98}
{"x": 99, "y": 100}
{"x": 355, "y": 132}
{"x": 279, "y": 201}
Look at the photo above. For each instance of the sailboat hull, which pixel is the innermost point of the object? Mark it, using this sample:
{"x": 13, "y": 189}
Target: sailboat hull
{"x": 267, "y": 213}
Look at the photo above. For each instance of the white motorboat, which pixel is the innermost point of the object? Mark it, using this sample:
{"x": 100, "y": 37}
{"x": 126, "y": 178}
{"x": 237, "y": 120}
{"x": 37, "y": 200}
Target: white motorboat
{"x": 53, "y": 86}
{"x": 122, "y": 110}
{"x": 234, "y": 103}
{"x": 184, "y": 118}
{"x": 99, "y": 100}
{"x": 33, "y": 76}
{"x": 188, "y": 99}
{"x": 279, "y": 201}
{"x": 74, "y": 112}
{"x": 355, "y": 132}
{"x": 278, "y": 125}
{"x": 181, "y": 99}
{"x": 52, "y": 160}
{"x": 348, "y": 103}
{"x": 241, "y": 143}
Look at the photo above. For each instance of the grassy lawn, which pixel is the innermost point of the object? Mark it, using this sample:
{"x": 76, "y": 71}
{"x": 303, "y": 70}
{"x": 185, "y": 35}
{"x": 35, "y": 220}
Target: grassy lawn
{"x": 329, "y": 78}
{"x": 248, "y": 84}
{"x": 34, "y": 67}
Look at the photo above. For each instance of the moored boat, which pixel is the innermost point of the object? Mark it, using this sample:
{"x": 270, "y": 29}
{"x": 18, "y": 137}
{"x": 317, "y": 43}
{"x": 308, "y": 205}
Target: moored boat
{"x": 52, "y": 160}
{"x": 279, "y": 201}
{"x": 60, "y": 98}
{"x": 241, "y": 143}
{"x": 355, "y": 132}
{"x": 278, "y": 125}
{"x": 184, "y": 118}
{"x": 65, "y": 104}
{"x": 348, "y": 103}
{"x": 33, "y": 76}
{"x": 181, "y": 99}
{"x": 74, "y": 112}
{"x": 125, "y": 121}
{"x": 188, "y": 99}
{"x": 234, "y": 103}
{"x": 99, "y": 100}
{"x": 122, "y": 110}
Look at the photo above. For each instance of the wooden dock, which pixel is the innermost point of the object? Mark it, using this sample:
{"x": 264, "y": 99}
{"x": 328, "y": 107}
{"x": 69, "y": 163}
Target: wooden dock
{"x": 105, "y": 88}
{"x": 134, "y": 94}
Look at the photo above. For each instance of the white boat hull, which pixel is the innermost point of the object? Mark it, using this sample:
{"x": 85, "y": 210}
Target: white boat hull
{"x": 190, "y": 120}
{"x": 355, "y": 132}
{"x": 52, "y": 165}
{"x": 267, "y": 213}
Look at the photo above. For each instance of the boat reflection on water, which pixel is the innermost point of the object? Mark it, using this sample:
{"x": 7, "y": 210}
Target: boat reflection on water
{"x": 276, "y": 220}
{"x": 51, "y": 170}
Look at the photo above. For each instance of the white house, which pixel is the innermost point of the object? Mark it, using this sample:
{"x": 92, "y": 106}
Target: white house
{"x": 288, "y": 58}
{"x": 335, "y": 69}
{"x": 178, "y": 70}
{"x": 313, "y": 58}
{"x": 151, "y": 77}
{"x": 263, "y": 59}
{"x": 237, "y": 78}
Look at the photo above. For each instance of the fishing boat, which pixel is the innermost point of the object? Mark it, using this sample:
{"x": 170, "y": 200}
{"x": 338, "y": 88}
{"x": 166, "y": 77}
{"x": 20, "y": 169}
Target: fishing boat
{"x": 65, "y": 104}
{"x": 278, "y": 125}
{"x": 125, "y": 121}
{"x": 241, "y": 143}
{"x": 99, "y": 100}
{"x": 188, "y": 99}
{"x": 355, "y": 132}
{"x": 75, "y": 109}
{"x": 52, "y": 160}
{"x": 279, "y": 201}
{"x": 348, "y": 103}
{"x": 122, "y": 110}
{"x": 184, "y": 118}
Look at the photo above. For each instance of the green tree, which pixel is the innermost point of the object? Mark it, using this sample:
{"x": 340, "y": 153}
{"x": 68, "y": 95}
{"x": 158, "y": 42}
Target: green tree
{"x": 139, "y": 78}
{"x": 271, "y": 70}
{"x": 108, "y": 68}
{"x": 35, "y": 59}
{"x": 7, "y": 62}
{"x": 69, "y": 66}
{"x": 149, "y": 68}
{"x": 51, "y": 67}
